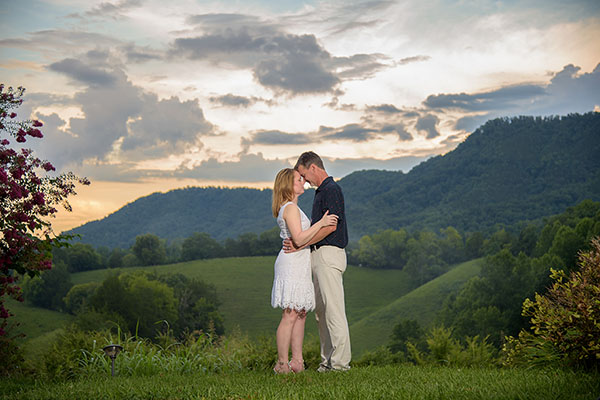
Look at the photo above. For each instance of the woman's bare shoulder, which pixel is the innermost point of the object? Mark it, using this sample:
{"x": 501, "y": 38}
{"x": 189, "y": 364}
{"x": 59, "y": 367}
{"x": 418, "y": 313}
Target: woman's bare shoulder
{"x": 290, "y": 209}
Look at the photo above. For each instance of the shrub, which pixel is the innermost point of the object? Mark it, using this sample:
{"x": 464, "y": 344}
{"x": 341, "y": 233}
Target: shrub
{"x": 29, "y": 194}
{"x": 11, "y": 356}
{"x": 380, "y": 356}
{"x": 476, "y": 352}
{"x": 566, "y": 320}
{"x": 443, "y": 349}
{"x": 77, "y": 298}
{"x": 49, "y": 288}
{"x": 64, "y": 359}
{"x": 441, "y": 345}
{"x": 404, "y": 331}
{"x": 76, "y": 353}
{"x": 436, "y": 346}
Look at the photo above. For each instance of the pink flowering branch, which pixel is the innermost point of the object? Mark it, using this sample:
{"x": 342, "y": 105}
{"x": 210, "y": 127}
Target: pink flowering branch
{"x": 28, "y": 197}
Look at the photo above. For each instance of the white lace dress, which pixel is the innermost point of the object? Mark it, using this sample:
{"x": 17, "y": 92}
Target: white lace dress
{"x": 292, "y": 285}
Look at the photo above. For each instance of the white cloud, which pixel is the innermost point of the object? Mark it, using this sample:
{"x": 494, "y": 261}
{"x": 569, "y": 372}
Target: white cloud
{"x": 212, "y": 82}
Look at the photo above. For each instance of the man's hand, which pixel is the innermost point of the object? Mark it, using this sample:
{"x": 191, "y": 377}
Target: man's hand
{"x": 288, "y": 246}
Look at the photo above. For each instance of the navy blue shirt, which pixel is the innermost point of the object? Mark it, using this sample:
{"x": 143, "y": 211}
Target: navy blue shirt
{"x": 329, "y": 196}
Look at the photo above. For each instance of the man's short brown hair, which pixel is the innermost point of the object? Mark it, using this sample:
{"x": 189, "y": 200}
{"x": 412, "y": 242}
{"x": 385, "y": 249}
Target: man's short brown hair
{"x": 308, "y": 158}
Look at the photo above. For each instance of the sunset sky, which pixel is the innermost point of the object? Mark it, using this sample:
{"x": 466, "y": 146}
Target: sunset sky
{"x": 146, "y": 95}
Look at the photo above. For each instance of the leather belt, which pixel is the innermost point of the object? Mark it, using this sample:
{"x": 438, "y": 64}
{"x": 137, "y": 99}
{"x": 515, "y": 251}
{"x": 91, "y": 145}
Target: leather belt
{"x": 314, "y": 247}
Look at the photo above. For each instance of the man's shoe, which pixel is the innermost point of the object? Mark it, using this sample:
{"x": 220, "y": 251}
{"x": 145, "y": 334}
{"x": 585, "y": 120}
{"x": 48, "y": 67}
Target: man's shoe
{"x": 323, "y": 368}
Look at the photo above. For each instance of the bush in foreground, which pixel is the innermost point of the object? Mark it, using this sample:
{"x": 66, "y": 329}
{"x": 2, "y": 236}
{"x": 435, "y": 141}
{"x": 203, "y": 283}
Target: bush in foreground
{"x": 440, "y": 348}
{"x": 565, "y": 321}
{"x": 78, "y": 353}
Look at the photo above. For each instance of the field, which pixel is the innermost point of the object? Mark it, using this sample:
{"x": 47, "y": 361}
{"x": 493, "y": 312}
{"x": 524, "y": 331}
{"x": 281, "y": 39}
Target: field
{"x": 390, "y": 382}
{"x": 375, "y": 299}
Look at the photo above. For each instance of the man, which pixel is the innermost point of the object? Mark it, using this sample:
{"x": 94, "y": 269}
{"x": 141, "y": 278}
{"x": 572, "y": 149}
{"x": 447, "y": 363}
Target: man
{"x": 328, "y": 259}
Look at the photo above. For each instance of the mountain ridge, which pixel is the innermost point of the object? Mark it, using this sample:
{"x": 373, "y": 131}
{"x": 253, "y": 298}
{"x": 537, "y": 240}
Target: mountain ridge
{"x": 508, "y": 170}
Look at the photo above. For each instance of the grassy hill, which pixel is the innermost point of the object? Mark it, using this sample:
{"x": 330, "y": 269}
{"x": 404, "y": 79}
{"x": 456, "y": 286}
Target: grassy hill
{"x": 39, "y": 325}
{"x": 421, "y": 304}
{"x": 244, "y": 287}
{"x": 375, "y": 299}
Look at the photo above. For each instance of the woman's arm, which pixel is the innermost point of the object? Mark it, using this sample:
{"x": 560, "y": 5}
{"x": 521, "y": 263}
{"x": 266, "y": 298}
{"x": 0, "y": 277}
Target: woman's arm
{"x": 291, "y": 215}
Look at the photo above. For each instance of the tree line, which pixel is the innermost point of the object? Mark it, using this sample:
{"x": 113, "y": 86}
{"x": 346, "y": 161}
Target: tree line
{"x": 135, "y": 302}
{"x": 516, "y": 268}
{"x": 150, "y": 249}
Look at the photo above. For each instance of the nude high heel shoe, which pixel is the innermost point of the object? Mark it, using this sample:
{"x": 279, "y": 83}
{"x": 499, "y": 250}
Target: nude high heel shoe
{"x": 298, "y": 365}
{"x": 282, "y": 368}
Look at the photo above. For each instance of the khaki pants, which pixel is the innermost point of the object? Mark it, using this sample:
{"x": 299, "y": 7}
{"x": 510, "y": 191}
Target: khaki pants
{"x": 328, "y": 266}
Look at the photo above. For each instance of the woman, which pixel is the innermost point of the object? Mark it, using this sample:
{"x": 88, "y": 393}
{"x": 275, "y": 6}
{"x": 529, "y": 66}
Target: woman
{"x": 293, "y": 290}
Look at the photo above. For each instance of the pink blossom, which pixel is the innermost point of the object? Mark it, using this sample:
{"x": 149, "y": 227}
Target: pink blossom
{"x": 38, "y": 198}
{"x": 17, "y": 173}
{"x": 37, "y": 123}
{"x": 13, "y": 114}
{"x": 48, "y": 167}
{"x": 22, "y": 217}
{"x": 15, "y": 192}
{"x": 35, "y": 133}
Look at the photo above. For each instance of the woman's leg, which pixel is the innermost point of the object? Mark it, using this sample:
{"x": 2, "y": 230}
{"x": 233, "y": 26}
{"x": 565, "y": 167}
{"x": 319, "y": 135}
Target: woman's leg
{"x": 284, "y": 338}
{"x": 297, "y": 363}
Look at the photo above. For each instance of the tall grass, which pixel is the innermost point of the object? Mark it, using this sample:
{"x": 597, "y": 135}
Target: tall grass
{"x": 205, "y": 366}
{"x": 79, "y": 354}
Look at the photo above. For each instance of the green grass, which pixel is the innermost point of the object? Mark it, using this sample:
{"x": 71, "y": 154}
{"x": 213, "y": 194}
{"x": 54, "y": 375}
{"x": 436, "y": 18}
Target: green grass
{"x": 39, "y": 325}
{"x": 35, "y": 321}
{"x": 421, "y": 304}
{"x": 390, "y": 382}
{"x": 244, "y": 287}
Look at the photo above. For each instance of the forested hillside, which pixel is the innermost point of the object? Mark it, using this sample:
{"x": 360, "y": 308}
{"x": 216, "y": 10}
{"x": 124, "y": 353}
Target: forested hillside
{"x": 508, "y": 170}
{"x": 177, "y": 214}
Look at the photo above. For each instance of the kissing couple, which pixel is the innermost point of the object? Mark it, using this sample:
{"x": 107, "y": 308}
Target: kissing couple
{"x": 309, "y": 268}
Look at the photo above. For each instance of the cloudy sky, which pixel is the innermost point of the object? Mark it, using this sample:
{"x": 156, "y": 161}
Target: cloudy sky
{"x": 147, "y": 95}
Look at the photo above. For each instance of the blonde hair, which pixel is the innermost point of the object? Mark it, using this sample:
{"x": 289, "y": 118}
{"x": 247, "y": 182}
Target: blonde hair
{"x": 283, "y": 189}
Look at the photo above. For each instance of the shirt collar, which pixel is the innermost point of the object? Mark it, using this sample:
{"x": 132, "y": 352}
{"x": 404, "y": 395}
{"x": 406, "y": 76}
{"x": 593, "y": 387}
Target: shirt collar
{"x": 325, "y": 182}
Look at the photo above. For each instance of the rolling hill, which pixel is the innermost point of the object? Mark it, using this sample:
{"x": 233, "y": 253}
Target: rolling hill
{"x": 421, "y": 305}
{"x": 508, "y": 170}
{"x": 375, "y": 299}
